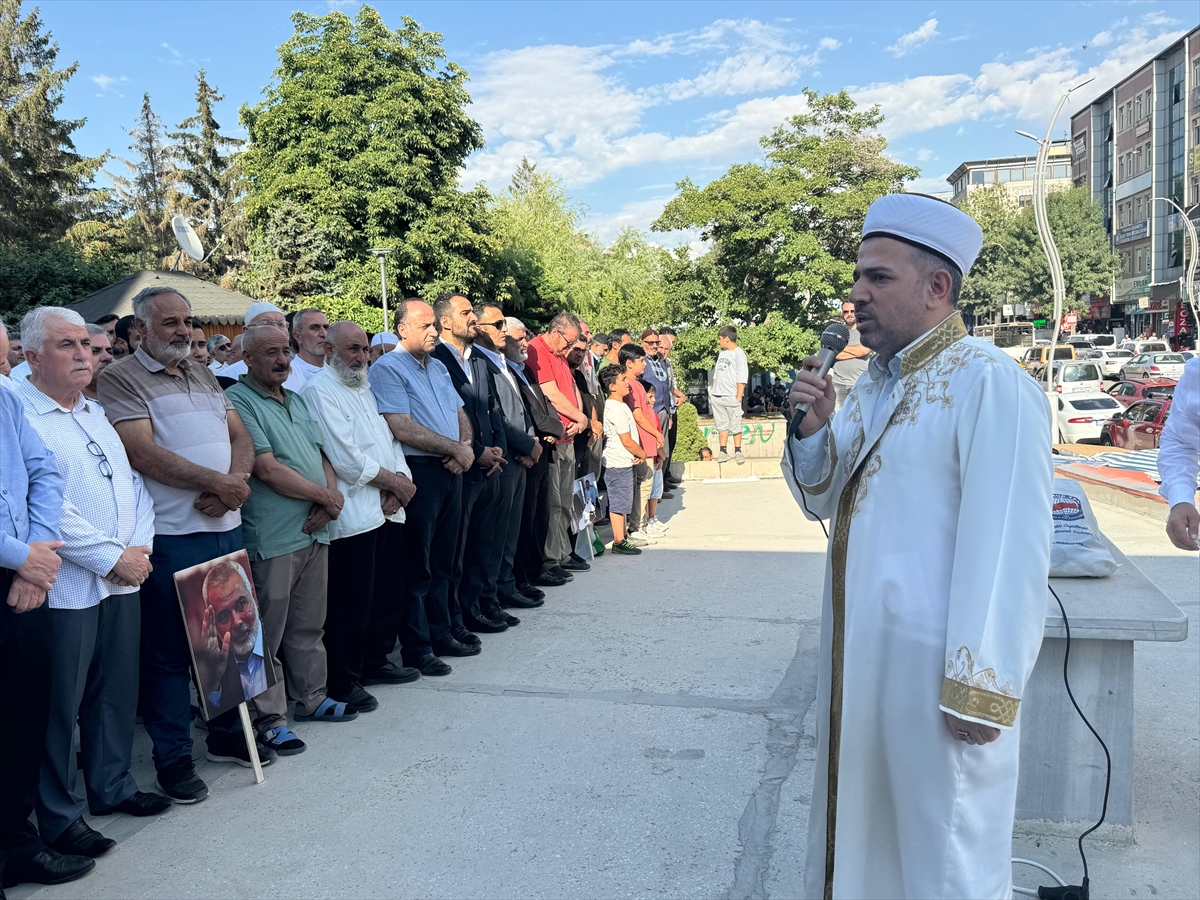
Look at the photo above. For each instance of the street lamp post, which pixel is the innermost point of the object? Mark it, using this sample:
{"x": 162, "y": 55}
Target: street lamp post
{"x": 1050, "y": 249}
{"x": 382, "y": 253}
{"x": 1189, "y": 280}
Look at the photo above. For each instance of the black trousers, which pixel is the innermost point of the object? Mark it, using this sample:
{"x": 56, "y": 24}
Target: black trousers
{"x": 535, "y": 520}
{"x": 348, "y": 614}
{"x": 480, "y": 546}
{"x": 430, "y": 541}
{"x": 671, "y": 429}
{"x": 506, "y": 582}
{"x": 393, "y": 613}
{"x": 25, "y": 699}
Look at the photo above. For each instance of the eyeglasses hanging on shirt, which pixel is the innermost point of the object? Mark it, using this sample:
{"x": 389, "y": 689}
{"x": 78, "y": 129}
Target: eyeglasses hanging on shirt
{"x": 98, "y": 451}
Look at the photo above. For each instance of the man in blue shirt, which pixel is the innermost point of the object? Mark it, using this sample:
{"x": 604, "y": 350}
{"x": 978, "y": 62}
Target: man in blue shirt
{"x": 31, "y": 500}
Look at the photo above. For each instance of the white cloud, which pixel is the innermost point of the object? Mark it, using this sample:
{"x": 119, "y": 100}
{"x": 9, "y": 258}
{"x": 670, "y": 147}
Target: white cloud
{"x": 1158, "y": 19}
{"x": 1102, "y": 39}
{"x": 914, "y": 39}
{"x": 741, "y": 74}
{"x": 927, "y": 185}
{"x": 108, "y": 84}
{"x": 828, "y": 43}
{"x": 925, "y": 155}
{"x": 1026, "y": 89}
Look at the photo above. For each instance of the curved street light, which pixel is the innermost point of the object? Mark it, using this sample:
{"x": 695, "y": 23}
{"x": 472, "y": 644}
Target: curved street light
{"x": 1189, "y": 280}
{"x": 1050, "y": 248}
{"x": 382, "y": 253}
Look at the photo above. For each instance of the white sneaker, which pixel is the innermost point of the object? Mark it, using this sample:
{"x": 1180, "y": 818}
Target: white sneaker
{"x": 636, "y": 541}
{"x": 723, "y": 456}
{"x": 643, "y": 536}
{"x": 656, "y": 527}
{"x": 739, "y": 458}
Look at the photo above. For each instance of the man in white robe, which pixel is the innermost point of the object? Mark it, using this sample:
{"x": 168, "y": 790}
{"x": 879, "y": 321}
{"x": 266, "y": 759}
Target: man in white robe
{"x": 936, "y": 478}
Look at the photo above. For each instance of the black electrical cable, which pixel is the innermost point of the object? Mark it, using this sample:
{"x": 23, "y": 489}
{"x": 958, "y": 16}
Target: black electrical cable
{"x": 1095, "y": 734}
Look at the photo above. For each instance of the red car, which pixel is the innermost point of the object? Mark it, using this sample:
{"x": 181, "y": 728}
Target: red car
{"x": 1137, "y": 428}
{"x": 1128, "y": 392}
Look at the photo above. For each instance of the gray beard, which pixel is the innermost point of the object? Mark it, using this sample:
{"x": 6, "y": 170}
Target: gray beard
{"x": 167, "y": 354}
{"x": 351, "y": 378}
{"x": 246, "y": 647}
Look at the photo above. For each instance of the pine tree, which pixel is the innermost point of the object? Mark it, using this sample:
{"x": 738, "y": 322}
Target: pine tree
{"x": 149, "y": 190}
{"x": 208, "y": 167}
{"x": 44, "y": 183}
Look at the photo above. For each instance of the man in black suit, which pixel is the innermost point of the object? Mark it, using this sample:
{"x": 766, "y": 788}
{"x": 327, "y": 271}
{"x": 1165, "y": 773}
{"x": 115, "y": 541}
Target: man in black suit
{"x": 528, "y": 566}
{"x": 524, "y": 451}
{"x": 482, "y": 499}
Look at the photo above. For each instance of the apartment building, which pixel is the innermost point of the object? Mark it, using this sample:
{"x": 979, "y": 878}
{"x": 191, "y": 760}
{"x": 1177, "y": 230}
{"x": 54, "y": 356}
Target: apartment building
{"x": 1131, "y": 146}
{"x": 1013, "y": 173}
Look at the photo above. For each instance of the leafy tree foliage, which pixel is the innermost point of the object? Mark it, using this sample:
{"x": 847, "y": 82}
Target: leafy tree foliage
{"x": 207, "y": 167}
{"x": 786, "y": 233}
{"x": 365, "y": 129}
{"x": 52, "y": 273}
{"x": 776, "y": 345}
{"x": 688, "y": 436}
{"x": 990, "y": 280}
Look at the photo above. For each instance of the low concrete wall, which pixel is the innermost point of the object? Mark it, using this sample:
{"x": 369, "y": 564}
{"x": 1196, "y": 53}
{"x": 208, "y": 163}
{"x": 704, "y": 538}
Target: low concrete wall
{"x": 762, "y": 438}
{"x": 759, "y": 468}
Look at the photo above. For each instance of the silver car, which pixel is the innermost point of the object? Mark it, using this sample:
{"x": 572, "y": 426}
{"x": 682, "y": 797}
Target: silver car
{"x": 1153, "y": 365}
{"x": 1109, "y": 361}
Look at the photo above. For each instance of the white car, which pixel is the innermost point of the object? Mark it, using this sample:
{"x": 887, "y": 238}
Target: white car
{"x": 1103, "y": 341}
{"x": 1154, "y": 346}
{"x": 1081, "y": 416}
{"x": 1153, "y": 365}
{"x": 1078, "y": 376}
{"x": 1110, "y": 361}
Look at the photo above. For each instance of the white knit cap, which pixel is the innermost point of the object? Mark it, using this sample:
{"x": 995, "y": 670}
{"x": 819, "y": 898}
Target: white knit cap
{"x": 254, "y": 310}
{"x": 385, "y": 339}
{"x": 928, "y": 222}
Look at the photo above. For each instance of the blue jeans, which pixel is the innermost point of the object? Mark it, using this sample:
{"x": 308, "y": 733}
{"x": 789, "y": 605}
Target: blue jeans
{"x": 166, "y": 660}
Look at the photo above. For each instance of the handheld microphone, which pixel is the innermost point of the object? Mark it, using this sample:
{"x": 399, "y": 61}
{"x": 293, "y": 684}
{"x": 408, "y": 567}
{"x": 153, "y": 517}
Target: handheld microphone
{"x": 834, "y": 339}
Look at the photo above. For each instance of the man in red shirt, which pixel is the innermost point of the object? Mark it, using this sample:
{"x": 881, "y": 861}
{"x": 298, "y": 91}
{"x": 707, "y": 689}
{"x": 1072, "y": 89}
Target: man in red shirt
{"x": 548, "y": 362}
{"x": 633, "y": 358}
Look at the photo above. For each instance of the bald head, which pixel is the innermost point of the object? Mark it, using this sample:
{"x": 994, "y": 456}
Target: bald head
{"x": 268, "y": 358}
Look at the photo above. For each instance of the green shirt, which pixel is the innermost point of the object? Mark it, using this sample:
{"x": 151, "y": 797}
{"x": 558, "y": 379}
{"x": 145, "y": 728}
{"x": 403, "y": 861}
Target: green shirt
{"x": 272, "y": 524}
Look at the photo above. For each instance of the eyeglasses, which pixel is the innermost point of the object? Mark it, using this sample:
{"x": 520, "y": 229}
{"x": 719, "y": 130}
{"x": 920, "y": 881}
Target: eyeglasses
{"x": 499, "y": 324}
{"x": 98, "y": 451}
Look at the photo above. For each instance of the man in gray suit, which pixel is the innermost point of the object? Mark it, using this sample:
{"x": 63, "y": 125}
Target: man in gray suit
{"x": 523, "y": 447}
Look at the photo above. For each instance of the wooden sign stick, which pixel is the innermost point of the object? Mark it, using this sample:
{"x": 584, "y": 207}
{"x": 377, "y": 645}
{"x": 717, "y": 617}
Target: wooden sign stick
{"x": 251, "y": 742}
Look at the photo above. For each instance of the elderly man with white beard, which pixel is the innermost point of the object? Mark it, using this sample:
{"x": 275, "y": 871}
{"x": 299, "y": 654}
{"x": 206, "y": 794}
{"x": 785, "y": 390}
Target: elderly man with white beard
{"x": 184, "y": 436}
{"x": 364, "y": 609}
{"x": 936, "y": 478}
{"x": 107, "y": 524}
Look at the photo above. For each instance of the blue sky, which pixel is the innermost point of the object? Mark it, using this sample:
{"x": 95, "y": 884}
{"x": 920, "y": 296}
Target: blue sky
{"x": 622, "y": 100}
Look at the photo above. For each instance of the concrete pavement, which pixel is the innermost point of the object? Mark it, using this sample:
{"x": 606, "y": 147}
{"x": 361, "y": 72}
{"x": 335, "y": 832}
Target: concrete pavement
{"x": 643, "y": 734}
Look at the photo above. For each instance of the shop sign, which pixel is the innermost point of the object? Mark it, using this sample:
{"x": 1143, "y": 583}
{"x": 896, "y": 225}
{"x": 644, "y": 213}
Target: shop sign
{"x": 1132, "y": 232}
{"x": 1130, "y": 286}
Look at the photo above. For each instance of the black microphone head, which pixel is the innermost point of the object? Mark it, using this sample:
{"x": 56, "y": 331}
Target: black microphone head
{"x": 835, "y": 337}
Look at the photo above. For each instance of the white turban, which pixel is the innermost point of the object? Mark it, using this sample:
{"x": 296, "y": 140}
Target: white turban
{"x": 257, "y": 309}
{"x": 928, "y": 222}
{"x": 385, "y": 339}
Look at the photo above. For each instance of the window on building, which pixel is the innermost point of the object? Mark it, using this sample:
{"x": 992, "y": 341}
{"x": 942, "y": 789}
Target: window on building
{"x": 1121, "y": 119}
{"x": 1121, "y": 216}
{"x": 1138, "y": 255}
{"x": 1139, "y": 210}
{"x": 977, "y": 176}
{"x": 1003, "y": 173}
{"x": 1137, "y": 108}
{"x": 1196, "y": 132}
{"x": 1121, "y": 169}
{"x": 1016, "y": 175}
{"x": 1196, "y": 188}
{"x": 1149, "y": 102}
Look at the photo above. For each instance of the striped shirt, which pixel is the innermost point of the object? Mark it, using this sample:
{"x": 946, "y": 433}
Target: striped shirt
{"x": 101, "y": 515}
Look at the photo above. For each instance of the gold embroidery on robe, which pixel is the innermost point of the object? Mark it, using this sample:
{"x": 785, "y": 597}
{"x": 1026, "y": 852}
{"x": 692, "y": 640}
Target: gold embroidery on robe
{"x": 978, "y": 695}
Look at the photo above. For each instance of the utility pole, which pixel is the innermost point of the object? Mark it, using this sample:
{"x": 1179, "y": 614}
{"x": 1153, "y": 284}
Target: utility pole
{"x": 382, "y": 253}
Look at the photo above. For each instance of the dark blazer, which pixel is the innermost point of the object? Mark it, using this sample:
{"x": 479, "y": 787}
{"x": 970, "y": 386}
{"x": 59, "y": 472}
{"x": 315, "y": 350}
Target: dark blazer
{"x": 479, "y": 403}
{"x": 517, "y": 421}
{"x": 546, "y": 423}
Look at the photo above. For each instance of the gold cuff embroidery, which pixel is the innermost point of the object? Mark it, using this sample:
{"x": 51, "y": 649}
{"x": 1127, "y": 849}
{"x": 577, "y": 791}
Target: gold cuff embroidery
{"x": 978, "y": 703}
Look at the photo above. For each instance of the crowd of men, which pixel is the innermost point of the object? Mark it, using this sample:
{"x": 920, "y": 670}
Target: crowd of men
{"x": 402, "y": 492}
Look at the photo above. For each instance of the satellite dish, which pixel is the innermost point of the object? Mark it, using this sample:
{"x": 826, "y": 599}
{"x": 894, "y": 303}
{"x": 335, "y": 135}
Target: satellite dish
{"x": 188, "y": 242}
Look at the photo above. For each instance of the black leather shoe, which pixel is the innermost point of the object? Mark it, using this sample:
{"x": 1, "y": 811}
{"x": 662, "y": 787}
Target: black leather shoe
{"x": 81, "y": 840}
{"x": 530, "y": 591}
{"x": 549, "y": 579}
{"x": 431, "y": 666}
{"x": 459, "y": 633}
{"x": 140, "y": 804}
{"x": 520, "y": 601}
{"x": 496, "y": 614}
{"x": 391, "y": 674}
{"x": 562, "y": 573}
{"x": 455, "y": 648}
{"x": 576, "y": 563}
{"x": 485, "y": 625}
{"x": 48, "y": 867}
{"x": 356, "y": 695}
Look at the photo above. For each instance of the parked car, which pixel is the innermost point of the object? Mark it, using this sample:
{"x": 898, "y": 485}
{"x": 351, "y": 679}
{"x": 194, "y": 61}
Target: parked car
{"x": 1080, "y": 342}
{"x": 1081, "y": 376}
{"x": 1109, "y": 361}
{"x": 1129, "y": 392}
{"x": 1153, "y": 365}
{"x": 1103, "y": 341}
{"x": 1137, "y": 428}
{"x": 1034, "y": 360}
{"x": 1155, "y": 346}
{"x": 1081, "y": 417}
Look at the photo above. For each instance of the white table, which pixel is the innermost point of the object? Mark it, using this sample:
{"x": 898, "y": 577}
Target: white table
{"x": 1062, "y": 766}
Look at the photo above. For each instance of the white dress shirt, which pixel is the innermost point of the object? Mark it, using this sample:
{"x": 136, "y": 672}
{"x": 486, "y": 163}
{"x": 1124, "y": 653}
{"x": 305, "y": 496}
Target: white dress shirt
{"x": 19, "y": 372}
{"x": 1179, "y": 446}
{"x": 295, "y": 380}
{"x": 101, "y": 516}
{"x": 301, "y": 373}
{"x": 357, "y": 443}
{"x": 463, "y": 358}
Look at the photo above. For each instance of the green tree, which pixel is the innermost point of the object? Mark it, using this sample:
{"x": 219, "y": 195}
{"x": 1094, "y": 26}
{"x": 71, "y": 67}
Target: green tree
{"x": 365, "y": 128}
{"x": 208, "y": 169}
{"x": 1089, "y": 263}
{"x": 776, "y": 346}
{"x": 45, "y": 185}
{"x": 689, "y": 439}
{"x": 993, "y": 276}
{"x": 150, "y": 190}
{"x": 786, "y": 234}
{"x": 294, "y": 258}
{"x": 52, "y": 273}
